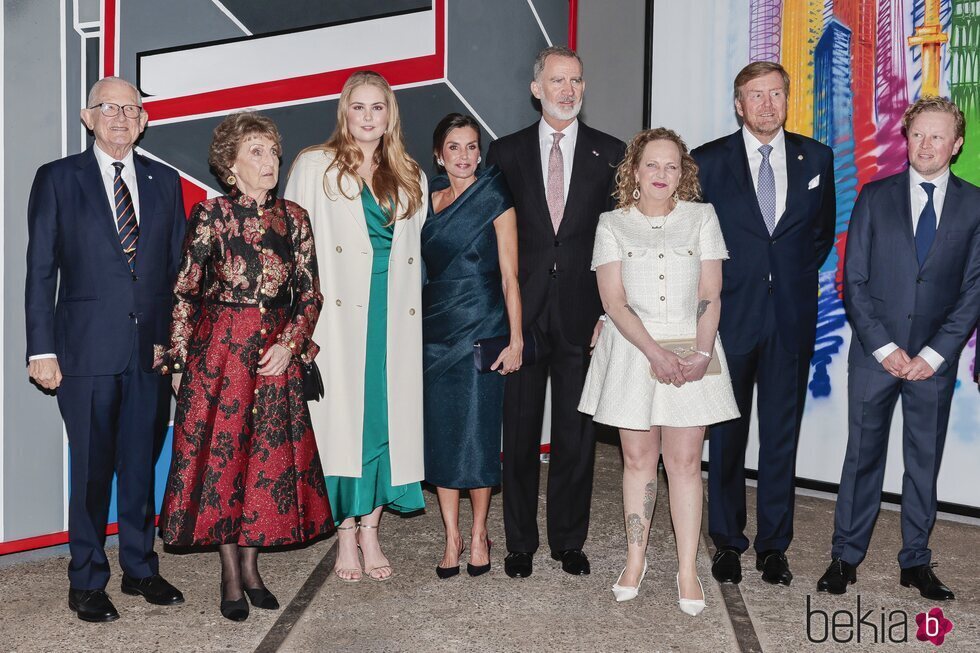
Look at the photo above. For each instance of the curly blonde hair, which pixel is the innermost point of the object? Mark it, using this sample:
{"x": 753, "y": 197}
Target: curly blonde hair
{"x": 939, "y": 105}
{"x": 396, "y": 170}
{"x": 688, "y": 189}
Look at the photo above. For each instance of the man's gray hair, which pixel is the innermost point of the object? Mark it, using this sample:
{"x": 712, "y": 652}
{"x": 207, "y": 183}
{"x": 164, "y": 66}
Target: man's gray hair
{"x": 558, "y": 51}
{"x": 94, "y": 91}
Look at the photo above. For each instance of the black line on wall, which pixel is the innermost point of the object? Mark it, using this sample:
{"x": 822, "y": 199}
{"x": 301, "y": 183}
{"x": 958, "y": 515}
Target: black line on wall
{"x": 648, "y": 65}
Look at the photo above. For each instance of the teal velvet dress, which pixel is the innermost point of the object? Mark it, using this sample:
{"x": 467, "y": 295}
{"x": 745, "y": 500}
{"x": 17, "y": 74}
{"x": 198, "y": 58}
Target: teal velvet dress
{"x": 353, "y": 497}
{"x": 462, "y": 302}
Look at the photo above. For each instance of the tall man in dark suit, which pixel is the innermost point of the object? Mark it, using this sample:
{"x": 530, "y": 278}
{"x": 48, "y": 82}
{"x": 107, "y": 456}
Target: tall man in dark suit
{"x": 105, "y": 231}
{"x": 774, "y": 194}
{"x": 912, "y": 293}
{"x": 561, "y": 173}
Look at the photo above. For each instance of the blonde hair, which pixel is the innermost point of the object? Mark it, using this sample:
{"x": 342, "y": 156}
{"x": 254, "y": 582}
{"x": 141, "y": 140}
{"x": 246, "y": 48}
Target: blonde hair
{"x": 688, "y": 188}
{"x": 936, "y": 104}
{"x": 396, "y": 170}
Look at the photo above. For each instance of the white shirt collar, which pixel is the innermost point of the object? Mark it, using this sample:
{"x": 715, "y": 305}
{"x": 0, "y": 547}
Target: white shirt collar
{"x": 106, "y": 161}
{"x": 545, "y": 131}
{"x": 940, "y": 182}
{"x": 752, "y": 144}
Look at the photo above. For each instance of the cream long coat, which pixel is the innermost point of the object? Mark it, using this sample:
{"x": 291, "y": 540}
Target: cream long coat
{"x": 344, "y": 254}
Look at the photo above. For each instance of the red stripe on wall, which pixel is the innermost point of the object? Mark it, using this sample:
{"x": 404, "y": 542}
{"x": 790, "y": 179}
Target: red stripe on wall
{"x": 109, "y": 38}
{"x": 192, "y": 194}
{"x": 407, "y": 71}
{"x": 51, "y": 539}
{"x": 573, "y": 24}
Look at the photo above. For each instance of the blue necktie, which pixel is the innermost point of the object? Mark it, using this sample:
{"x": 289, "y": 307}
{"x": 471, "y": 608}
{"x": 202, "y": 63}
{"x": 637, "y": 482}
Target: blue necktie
{"x": 129, "y": 231}
{"x": 925, "y": 233}
{"x": 766, "y": 192}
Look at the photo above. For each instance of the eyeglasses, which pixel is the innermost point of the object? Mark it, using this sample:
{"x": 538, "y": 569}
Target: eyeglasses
{"x": 111, "y": 110}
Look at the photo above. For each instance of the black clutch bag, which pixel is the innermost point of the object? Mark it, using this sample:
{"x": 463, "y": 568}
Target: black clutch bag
{"x": 486, "y": 350}
{"x": 312, "y": 381}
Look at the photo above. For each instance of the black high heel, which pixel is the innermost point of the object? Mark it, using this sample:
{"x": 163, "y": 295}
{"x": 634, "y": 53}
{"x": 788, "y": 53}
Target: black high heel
{"x": 236, "y": 610}
{"x": 449, "y": 572}
{"x": 261, "y": 597}
{"x": 479, "y": 570}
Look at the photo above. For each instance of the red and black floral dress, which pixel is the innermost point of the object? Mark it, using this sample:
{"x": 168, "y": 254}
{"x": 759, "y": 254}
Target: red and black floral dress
{"x": 245, "y": 467}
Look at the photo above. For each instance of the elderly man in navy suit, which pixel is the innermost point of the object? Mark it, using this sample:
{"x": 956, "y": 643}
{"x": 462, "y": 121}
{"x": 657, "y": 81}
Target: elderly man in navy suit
{"x": 912, "y": 293}
{"x": 774, "y": 195}
{"x": 105, "y": 231}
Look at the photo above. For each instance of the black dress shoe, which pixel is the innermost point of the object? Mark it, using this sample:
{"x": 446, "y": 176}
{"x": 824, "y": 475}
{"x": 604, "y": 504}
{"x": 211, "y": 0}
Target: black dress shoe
{"x": 726, "y": 566}
{"x": 774, "y": 567}
{"x": 92, "y": 605}
{"x": 923, "y": 578}
{"x": 479, "y": 570}
{"x": 155, "y": 589}
{"x": 261, "y": 597}
{"x": 518, "y": 564}
{"x": 236, "y": 610}
{"x": 838, "y": 576}
{"x": 573, "y": 562}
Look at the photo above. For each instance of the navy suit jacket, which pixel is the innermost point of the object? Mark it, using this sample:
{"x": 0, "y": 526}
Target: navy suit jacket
{"x": 888, "y": 297}
{"x": 74, "y": 251}
{"x": 784, "y": 264}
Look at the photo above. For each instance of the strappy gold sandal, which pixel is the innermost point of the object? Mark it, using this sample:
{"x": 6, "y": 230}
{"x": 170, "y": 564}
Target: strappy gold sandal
{"x": 355, "y": 574}
{"x": 370, "y": 572}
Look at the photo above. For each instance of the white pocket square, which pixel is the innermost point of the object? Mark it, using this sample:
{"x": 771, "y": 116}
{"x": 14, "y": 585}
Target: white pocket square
{"x": 813, "y": 183}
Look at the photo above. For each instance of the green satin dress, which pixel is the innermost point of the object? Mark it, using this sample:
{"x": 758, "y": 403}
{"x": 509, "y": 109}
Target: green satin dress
{"x": 353, "y": 497}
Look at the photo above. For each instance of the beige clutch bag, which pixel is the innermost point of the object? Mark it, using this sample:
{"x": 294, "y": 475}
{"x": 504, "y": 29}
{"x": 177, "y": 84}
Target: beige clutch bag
{"x": 686, "y": 346}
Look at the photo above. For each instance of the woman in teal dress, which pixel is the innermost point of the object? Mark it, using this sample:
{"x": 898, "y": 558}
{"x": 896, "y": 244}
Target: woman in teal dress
{"x": 367, "y": 200}
{"x": 469, "y": 245}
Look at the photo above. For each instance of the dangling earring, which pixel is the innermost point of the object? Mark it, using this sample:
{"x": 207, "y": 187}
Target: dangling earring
{"x": 231, "y": 180}
{"x": 440, "y": 162}
{"x": 636, "y": 194}
{"x": 676, "y": 198}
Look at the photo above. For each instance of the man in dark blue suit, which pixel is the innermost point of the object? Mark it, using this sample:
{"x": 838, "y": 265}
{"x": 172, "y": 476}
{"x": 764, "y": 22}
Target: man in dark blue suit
{"x": 105, "y": 233}
{"x": 774, "y": 195}
{"x": 912, "y": 293}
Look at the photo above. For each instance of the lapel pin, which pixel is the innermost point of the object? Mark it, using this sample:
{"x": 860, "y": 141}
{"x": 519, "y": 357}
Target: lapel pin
{"x": 800, "y": 157}
{"x": 594, "y": 153}
{"x": 151, "y": 176}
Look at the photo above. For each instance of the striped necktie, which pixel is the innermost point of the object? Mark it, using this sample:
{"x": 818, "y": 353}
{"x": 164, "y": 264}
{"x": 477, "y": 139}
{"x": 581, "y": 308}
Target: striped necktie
{"x": 129, "y": 230}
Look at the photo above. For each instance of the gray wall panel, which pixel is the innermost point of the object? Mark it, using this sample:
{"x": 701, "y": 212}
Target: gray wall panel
{"x": 32, "y": 474}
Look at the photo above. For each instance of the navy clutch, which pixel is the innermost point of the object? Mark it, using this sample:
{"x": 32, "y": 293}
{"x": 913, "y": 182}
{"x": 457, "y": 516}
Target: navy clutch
{"x": 487, "y": 350}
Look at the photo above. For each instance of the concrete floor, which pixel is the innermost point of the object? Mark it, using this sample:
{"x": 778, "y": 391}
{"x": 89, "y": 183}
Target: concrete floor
{"x": 550, "y": 611}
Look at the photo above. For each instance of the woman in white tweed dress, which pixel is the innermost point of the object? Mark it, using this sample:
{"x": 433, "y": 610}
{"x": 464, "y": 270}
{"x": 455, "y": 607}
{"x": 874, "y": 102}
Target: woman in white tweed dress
{"x": 658, "y": 263}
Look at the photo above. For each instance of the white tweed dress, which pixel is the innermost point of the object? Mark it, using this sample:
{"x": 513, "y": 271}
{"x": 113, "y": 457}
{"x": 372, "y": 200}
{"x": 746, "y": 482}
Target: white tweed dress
{"x": 661, "y": 268}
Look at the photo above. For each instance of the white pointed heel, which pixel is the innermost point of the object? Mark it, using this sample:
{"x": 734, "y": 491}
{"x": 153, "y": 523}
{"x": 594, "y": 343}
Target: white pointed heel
{"x": 692, "y": 607}
{"x": 628, "y": 593}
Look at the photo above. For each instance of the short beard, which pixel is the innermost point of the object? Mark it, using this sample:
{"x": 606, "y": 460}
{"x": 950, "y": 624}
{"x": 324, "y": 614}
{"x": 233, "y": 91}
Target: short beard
{"x": 555, "y": 111}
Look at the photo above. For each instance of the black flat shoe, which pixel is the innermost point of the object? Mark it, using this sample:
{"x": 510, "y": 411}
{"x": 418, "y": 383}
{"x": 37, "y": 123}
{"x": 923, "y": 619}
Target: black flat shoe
{"x": 573, "y": 561}
{"x": 262, "y": 598}
{"x": 479, "y": 570}
{"x": 92, "y": 605}
{"x": 236, "y": 610}
{"x": 518, "y": 564}
{"x": 837, "y": 577}
{"x": 726, "y": 566}
{"x": 924, "y": 579}
{"x": 155, "y": 589}
{"x": 774, "y": 567}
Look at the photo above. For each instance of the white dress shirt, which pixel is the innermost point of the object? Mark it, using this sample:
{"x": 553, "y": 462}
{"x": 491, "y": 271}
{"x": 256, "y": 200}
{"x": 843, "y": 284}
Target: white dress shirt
{"x": 918, "y": 197}
{"x": 566, "y": 145}
{"x": 108, "y": 175}
{"x": 777, "y": 159}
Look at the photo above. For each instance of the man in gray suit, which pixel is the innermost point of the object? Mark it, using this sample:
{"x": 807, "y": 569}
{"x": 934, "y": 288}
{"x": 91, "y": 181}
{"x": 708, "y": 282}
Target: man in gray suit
{"x": 912, "y": 293}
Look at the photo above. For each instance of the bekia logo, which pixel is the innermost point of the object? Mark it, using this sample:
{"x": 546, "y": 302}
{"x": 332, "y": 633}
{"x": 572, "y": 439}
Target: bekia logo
{"x": 933, "y": 626}
{"x": 873, "y": 625}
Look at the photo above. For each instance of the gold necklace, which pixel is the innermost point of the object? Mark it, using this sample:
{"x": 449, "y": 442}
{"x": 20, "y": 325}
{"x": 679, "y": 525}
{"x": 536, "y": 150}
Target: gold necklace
{"x": 662, "y": 223}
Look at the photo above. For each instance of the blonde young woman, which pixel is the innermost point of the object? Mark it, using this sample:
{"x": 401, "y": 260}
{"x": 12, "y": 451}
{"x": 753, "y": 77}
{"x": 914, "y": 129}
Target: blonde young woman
{"x": 367, "y": 201}
{"x": 658, "y": 259}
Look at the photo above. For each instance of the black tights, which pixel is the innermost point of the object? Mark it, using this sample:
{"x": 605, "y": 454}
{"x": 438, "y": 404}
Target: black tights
{"x": 239, "y": 568}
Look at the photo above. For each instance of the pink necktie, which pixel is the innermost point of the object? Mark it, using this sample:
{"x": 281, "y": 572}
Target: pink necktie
{"x": 556, "y": 182}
